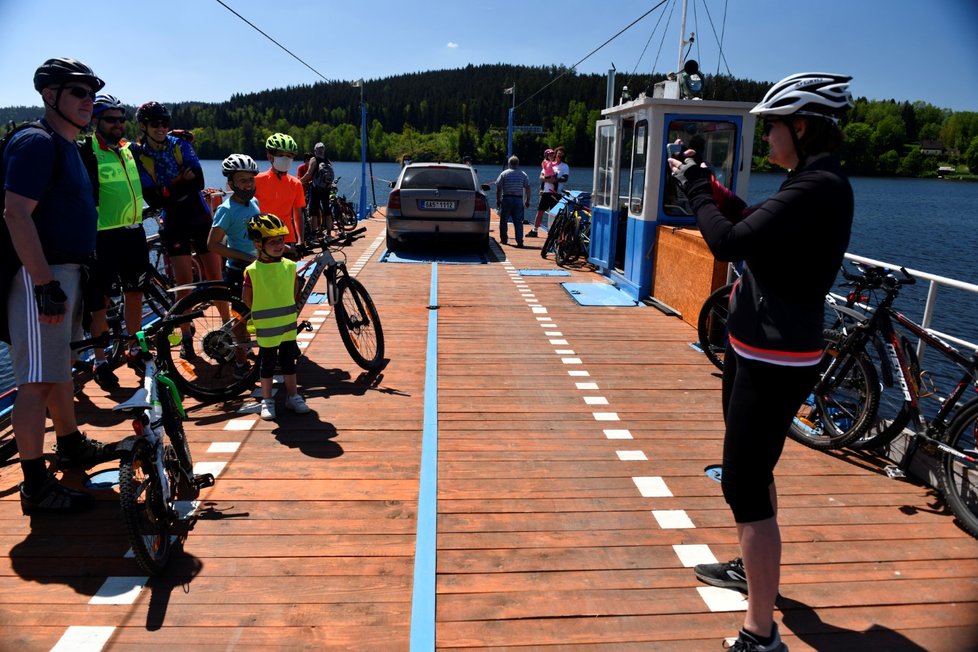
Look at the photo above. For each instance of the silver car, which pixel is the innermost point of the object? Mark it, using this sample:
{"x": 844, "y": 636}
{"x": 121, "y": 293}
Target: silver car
{"x": 430, "y": 200}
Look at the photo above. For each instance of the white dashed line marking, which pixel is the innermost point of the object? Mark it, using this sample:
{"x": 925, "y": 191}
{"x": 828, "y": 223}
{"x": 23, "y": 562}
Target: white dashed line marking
{"x": 595, "y": 400}
{"x": 214, "y": 468}
{"x": 586, "y": 385}
{"x": 718, "y": 599}
{"x": 606, "y": 416}
{"x": 692, "y": 554}
{"x": 652, "y": 487}
{"x": 578, "y": 372}
{"x": 617, "y": 434}
{"x": 119, "y": 590}
{"x": 240, "y": 424}
{"x": 631, "y": 456}
{"x": 83, "y": 639}
{"x": 571, "y": 361}
{"x": 672, "y": 519}
{"x": 224, "y": 447}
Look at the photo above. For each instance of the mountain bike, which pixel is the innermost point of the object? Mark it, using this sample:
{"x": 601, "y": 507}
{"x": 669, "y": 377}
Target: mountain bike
{"x": 344, "y": 215}
{"x": 156, "y": 467}
{"x": 223, "y": 360}
{"x": 950, "y": 435}
{"x": 569, "y": 236}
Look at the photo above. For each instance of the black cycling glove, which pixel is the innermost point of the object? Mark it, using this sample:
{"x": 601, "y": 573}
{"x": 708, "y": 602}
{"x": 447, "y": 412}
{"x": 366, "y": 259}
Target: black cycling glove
{"x": 694, "y": 179}
{"x": 51, "y": 299}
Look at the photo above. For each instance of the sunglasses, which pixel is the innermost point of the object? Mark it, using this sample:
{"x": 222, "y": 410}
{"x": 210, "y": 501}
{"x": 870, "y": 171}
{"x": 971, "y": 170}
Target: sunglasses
{"x": 113, "y": 120}
{"x": 769, "y": 125}
{"x": 156, "y": 124}
{"x": 80, "y": 92}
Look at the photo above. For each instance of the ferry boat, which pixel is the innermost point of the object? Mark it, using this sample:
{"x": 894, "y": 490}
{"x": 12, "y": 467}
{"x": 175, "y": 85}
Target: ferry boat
{"x": 534, "y": 467}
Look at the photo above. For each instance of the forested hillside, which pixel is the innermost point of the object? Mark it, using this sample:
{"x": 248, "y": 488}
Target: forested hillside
{"x": 445, "y": 114}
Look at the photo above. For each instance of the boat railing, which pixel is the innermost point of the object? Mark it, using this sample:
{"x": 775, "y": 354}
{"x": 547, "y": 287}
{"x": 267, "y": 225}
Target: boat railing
{"x": 934, "y": 282}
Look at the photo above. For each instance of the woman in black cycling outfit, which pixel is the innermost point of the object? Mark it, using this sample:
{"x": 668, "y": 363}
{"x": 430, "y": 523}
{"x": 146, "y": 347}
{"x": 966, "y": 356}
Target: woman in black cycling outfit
{"x": 793, "y": 244}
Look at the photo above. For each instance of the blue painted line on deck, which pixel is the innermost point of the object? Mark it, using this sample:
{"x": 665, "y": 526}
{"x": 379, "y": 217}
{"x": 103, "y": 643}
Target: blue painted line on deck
{"x": 423, "y": 597}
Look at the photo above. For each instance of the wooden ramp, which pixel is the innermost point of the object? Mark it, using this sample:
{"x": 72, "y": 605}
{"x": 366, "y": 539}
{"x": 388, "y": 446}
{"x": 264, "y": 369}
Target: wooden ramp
{"x": 572, "y": 496}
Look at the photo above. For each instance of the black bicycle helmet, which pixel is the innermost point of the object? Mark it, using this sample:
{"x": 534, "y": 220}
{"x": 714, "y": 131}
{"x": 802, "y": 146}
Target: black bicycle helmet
{"x": 105, "y": 102}
{"x": 61, "y": 70}
{"x": 152, "y": 111}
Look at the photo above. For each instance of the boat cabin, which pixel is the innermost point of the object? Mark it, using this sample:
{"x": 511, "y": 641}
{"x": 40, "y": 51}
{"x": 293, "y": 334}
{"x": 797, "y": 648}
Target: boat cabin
{"x": 635, "y": 198}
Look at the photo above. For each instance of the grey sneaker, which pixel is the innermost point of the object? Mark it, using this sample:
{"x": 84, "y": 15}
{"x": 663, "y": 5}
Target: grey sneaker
{"x": 54, "y": 497}
{"x": 747, "y": 643}
{"x": 729, "y": 575}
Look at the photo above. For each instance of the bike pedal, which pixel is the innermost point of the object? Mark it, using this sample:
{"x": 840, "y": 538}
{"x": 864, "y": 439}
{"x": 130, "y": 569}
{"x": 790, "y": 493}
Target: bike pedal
{"x": 203, "y": 480}
{"x": 893, "y": 471}
{"x": 305, "y": 325}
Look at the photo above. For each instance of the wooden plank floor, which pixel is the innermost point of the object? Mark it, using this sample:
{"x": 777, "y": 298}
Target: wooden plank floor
{"x": 544, "y": 537}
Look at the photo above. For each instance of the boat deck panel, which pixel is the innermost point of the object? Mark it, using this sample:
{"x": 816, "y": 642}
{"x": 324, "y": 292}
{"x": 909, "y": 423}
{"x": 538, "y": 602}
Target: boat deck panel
{"x": 556, "y": 501}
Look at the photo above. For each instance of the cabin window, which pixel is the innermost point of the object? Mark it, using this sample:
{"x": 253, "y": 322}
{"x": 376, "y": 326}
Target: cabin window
{"x": 715, "y": 141}
{"x": 636, "y": 192}
{"x": 604, "y": 177}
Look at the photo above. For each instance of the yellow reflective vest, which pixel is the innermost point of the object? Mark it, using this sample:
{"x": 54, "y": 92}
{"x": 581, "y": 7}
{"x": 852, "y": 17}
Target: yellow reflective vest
{"x": 273, "y": 309}
{"x": 120, "y": 195}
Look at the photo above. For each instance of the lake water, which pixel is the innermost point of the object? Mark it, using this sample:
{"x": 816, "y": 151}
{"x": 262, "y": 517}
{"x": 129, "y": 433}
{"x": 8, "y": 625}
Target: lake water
{"x": 924, "y": 224}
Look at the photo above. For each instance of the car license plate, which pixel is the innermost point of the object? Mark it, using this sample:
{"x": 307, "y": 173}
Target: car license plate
{"x": 438, "y": 205}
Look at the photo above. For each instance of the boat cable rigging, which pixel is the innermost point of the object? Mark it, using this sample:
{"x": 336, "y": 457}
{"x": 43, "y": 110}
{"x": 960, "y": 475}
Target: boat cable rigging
{"x": 588, "y": 56}
{"x": 672, "y": 7}
{"x": 259, "y": 30}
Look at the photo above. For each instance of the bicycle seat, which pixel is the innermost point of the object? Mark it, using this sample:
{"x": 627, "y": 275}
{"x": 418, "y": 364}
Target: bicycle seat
{"x": 138, "y": 401}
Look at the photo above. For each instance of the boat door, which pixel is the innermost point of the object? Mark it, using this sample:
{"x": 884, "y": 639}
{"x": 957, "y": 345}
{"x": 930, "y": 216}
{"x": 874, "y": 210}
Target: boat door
{"x": 604, "y": 198}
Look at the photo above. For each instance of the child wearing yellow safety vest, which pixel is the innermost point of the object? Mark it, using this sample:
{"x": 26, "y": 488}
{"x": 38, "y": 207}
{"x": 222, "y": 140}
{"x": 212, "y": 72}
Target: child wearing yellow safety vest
{"x": 269, "y": 289}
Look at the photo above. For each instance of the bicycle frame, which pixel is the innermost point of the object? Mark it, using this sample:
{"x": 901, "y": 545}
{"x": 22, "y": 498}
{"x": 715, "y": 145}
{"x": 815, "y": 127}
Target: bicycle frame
{"x": 899, "y": 367}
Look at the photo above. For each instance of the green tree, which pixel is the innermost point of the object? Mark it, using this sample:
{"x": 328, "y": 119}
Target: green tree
{"x": 912, "y": 164}
{"x": 971, "y": 156}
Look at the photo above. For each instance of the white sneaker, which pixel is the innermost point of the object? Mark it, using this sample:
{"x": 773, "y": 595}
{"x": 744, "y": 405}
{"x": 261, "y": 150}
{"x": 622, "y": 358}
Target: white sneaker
{"x": 297, "y": 404}
{"x": 267, "y": 409}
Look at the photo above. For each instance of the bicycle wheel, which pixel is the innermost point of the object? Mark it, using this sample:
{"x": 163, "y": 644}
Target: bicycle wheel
{"x": 173, "y": 426}
{"x": 553, "y": 230}
{"x": 347, "y": 217}
{"x": 146, "y": 515}
{"x": 359, "y": 324}
{"x": 846, "y": 407}
{"x": 565, "y": 250}
{"x": 893, "y": 414}
{"x": 217, "y": 359}
{"x": 712, "y": 325}
{"x": 959, "y": 476}
{"x": 156, "y": 294}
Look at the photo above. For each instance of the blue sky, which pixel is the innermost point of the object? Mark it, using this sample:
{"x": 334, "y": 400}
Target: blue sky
{"x": 197, "y": 50}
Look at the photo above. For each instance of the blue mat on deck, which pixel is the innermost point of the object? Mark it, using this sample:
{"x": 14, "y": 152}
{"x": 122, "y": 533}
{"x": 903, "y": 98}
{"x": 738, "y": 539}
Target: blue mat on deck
{"x": 430, "y": 257}
{"x": 544, "y": 272}
{"x": 598, "y": 294}
{"x": 317, "y": 298}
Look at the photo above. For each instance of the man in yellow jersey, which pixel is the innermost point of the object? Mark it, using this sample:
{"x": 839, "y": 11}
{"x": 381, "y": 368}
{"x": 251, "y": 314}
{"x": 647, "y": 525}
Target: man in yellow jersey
{"x": 279, "y": 192}
{"x": 121, "y": 251}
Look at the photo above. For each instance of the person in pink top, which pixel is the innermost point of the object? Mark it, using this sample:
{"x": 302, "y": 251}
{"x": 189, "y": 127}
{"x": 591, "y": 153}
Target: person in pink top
{"x": 279, "y": 192}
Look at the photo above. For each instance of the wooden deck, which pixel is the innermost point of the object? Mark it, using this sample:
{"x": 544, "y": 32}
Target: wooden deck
{"x": 568, "y": 506}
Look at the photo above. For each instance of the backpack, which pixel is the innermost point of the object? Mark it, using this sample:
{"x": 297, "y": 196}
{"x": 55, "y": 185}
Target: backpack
{"x": 9, "y": 260}
{"x": 322, "y": 179}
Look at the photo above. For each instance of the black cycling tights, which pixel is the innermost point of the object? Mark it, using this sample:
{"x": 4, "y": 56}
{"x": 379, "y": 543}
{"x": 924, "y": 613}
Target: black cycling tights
{"x": 759, "y": 402}
{"x": 285, "y": 354}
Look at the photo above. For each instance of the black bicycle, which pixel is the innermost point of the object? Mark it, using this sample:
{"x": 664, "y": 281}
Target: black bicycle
{"x": 845, "y": 401}
{"x": 221, "y": 362}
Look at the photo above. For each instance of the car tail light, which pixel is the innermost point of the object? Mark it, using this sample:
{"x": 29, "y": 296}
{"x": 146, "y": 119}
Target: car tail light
{"x": 480, "y": 202}
{"x": 394, "y": 200}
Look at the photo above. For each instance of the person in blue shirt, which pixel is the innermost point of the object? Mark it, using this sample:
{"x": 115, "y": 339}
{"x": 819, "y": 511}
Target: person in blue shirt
{"x": 229, "y": 232}
{"x": 51, "y": 217}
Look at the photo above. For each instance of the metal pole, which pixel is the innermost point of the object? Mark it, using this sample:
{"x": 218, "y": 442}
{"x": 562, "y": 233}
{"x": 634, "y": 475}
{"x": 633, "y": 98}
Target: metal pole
{"x": 682, "y": 35}
{"x": 509, "y": 136}
{"x": 363, "y": 158}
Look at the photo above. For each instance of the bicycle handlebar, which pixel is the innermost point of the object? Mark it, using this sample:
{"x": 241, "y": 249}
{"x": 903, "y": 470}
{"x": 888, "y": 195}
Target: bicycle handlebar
{"x": 105, "y": 339}
{"x": 877, "y": 277}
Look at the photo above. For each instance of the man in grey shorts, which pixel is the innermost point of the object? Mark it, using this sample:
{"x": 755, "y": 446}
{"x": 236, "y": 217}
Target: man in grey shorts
{"x": 51, "y": 217}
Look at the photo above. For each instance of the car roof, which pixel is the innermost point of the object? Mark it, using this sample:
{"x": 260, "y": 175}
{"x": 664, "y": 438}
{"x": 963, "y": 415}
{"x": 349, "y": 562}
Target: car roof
{"x": 433, "y": 164}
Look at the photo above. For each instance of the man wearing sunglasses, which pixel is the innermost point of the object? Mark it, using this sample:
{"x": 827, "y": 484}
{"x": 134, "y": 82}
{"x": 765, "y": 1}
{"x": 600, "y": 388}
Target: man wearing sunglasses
{"x": 52, "y": 220}
{"x": 121, "y": 251}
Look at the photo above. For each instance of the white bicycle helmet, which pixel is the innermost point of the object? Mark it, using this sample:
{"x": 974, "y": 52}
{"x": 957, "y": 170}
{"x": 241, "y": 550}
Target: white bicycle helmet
{"x": 821, "y": 94}
{"x": 239, "y": 163}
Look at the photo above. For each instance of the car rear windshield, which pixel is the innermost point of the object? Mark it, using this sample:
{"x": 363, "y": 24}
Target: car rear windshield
{"x": 442, "y": 178}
